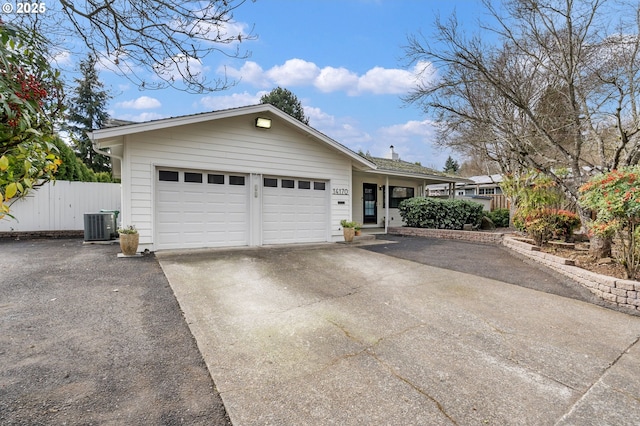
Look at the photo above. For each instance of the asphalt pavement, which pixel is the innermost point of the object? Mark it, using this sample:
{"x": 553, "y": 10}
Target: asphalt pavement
{"x": 88, "y": 338}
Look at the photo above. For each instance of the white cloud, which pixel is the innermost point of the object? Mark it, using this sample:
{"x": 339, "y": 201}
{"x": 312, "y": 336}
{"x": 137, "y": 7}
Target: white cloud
{"x": 382, "y": 81}
{"x": 227, "y": 35}
{"x": 143, "y": 102}
{"x": 344, "y": 130}
{"x": 334, "y": 79}
{"x": 117, "y": 63}
{"x": 61, "y": 58}
{"x": 139, "y": 118}
{"x": 414, "y": 141}
{"x": 250, "y": 73}
{"x": 294, "y": 72}
{"x": 215, "y": 103}
{"x": 298, "y": 72}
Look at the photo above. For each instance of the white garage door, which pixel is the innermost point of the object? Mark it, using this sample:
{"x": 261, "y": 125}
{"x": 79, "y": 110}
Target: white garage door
{"x": 201, "y": 209}
{"x": 294, "y": 210}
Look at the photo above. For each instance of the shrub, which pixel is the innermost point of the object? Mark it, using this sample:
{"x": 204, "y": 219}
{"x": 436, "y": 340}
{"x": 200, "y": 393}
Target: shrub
{"x": 542, "y": 224}
{"x": 565, "y": 223}
{"x": 615, "y": 197}
{"x": 499, "y": 217}
{"x": 423, "y": 212}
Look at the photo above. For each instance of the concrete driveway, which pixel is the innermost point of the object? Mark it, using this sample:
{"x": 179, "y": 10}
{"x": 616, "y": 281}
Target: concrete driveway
{"x": 335, "y": 334}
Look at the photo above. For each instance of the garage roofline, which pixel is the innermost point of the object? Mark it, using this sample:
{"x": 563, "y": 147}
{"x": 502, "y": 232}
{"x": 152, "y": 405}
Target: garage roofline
{"x": 113, "y": 136}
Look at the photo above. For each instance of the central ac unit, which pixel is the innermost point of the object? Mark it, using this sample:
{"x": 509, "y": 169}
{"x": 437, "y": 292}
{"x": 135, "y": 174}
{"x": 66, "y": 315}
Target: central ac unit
{"x": 99, "y": 226}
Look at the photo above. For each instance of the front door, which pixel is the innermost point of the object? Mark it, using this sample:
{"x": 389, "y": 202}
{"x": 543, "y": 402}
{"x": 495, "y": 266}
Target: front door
{"x": 370, "y": 213}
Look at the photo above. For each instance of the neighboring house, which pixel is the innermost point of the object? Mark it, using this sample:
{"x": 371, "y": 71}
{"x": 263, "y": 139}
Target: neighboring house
{"x": 479, "y": 185}
{"x": 250, "y": 176}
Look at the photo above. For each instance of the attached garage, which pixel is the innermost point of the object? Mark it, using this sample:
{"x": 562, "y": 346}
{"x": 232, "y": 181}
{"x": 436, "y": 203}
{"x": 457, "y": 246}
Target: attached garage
{"x": 294, "y": 210}
{"x": 247, "y": 176}
{"x": 201, "y": 209}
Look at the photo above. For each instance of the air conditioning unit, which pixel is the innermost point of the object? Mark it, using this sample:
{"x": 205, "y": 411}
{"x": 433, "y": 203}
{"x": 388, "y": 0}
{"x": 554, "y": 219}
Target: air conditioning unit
{"x": 99, "y": 226}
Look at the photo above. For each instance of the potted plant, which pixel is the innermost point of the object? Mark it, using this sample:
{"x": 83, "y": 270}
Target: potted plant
{"x": 129, "y": 239}
{"x": 358, "y": 229}
{"x": 348, "y": 229}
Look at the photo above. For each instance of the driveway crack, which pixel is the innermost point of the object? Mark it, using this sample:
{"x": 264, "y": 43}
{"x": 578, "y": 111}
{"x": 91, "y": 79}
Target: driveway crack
{"x": 600, "y": 380}
{"x": 414, "y": 387}
{"x": 369, "y": 350}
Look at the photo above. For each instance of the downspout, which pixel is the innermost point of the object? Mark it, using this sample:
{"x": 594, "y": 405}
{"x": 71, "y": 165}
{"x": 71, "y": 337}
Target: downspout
{"x": 108, "y": 154}
{"x": 386, "y": 206}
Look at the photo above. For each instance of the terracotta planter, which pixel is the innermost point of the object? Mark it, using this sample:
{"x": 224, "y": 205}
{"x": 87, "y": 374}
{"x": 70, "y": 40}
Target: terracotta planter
{"x": 358, "y": 232}
{"x": 349, "y": 233}
{"x": 129, "y": 244}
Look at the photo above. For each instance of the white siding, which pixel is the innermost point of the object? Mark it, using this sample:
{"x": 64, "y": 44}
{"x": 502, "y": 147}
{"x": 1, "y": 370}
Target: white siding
{"x": 60, "y": 206}
{"x": 380, "y": 180}
{"x": 229, "y": 145}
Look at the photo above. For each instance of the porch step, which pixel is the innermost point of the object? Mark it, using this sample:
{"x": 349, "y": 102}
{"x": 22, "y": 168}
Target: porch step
{"x": 364, "y": 237}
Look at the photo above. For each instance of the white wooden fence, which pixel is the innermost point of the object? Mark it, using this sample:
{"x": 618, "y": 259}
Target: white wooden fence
{"x": 60, "y": 206}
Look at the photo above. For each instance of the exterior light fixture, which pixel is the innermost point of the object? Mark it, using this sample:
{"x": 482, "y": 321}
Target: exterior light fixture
{"x": 263, "y": 123}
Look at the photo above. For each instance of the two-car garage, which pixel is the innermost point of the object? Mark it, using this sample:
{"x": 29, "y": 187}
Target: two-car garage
{"x": 218, "y": 179}
{"x": 196, "y": 208}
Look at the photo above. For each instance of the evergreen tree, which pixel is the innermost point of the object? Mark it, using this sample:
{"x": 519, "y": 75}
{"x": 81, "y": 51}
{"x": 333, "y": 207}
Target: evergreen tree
{"x": 88, "y": 112}
{"x": 73, "y": 169}
{"x": 285, "y": 101}
{"x": 451, "y": 166}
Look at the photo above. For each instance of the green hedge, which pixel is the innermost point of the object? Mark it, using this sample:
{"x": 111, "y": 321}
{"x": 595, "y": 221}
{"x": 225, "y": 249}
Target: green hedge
{"x": 500, "y": 217}
{"x": 422, "y": 212}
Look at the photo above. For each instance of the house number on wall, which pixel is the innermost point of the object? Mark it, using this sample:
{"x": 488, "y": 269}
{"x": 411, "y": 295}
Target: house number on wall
{"x": 340, "y": 191}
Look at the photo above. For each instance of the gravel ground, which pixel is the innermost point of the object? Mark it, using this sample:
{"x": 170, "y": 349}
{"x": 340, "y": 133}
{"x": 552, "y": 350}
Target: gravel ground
{"x": 89, "y": 338}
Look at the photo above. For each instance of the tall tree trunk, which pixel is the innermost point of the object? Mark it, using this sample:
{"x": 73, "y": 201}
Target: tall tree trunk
{"x": 599, "y": 247}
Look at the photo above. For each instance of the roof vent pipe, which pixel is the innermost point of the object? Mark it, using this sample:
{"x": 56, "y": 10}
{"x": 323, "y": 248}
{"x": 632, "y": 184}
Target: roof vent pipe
{"x": 394, "y": 155}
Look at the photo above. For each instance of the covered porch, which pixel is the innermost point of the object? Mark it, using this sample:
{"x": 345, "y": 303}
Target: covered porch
{"x": 378, "y": 193}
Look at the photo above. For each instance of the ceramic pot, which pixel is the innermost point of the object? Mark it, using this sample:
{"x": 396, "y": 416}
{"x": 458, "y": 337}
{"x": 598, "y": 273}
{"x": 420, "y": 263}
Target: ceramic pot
{"x": 349, "y": 233}
{"x": 129, "y": 244}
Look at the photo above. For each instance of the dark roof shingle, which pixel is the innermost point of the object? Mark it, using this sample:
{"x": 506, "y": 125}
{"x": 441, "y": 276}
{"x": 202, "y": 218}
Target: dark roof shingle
{"x": 403, "y": 166}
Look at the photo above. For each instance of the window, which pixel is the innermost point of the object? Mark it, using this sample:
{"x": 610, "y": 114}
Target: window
{"x": 168, "y": 176}
{"x": 287, "y": 183}
{"x": 398, "y": 194}
{"x": 304, "y": 184}
{"x": 270, "y": 183}
{"x": 215, "y": 179}
{"x": 193, "y": 177}
{"x": 486, "y": 191}
{"x": 318, "y": 186}
{"x": 236, "y": 180}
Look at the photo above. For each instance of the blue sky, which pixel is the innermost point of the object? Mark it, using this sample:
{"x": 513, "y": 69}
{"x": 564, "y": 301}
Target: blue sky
{"x": 342, "y": 59}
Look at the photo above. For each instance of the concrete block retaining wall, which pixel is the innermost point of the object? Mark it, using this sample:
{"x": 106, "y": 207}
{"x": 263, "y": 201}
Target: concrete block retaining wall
{"x": 475, "y": 236}
{"x": 623, "y": 293}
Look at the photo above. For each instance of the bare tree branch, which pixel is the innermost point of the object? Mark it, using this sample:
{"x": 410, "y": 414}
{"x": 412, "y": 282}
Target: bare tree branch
{"x": 154, "y": 44}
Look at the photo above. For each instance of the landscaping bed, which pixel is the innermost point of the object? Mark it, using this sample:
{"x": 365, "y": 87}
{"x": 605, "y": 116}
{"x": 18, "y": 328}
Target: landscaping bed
{"x": 580, "y": 255}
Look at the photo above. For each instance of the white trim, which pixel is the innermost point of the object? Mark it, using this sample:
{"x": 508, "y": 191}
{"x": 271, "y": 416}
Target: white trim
{"x": 387, "y": 198}
{"x": 436, "y": 178}
{"x": 112, "y": 135}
